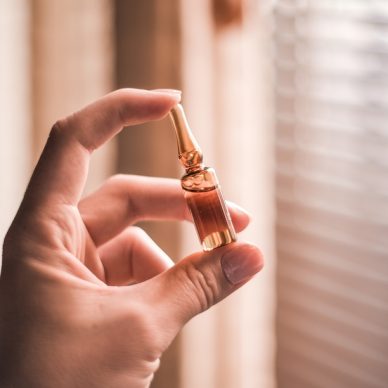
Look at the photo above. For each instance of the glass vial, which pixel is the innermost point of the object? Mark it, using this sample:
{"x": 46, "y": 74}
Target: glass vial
{"x": 201, "y": 188}
{"x": 207, "y": 206}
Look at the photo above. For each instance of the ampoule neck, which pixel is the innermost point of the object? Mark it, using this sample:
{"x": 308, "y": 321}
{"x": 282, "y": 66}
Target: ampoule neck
{"x": 189, "y": 152}
{"x": 195, "y": 169}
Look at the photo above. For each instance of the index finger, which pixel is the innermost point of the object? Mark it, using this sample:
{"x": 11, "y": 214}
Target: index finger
{"x": 61, "y": 172}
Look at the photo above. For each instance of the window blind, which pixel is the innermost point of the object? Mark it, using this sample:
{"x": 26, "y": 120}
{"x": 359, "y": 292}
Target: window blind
{"x": 331, "y": 89}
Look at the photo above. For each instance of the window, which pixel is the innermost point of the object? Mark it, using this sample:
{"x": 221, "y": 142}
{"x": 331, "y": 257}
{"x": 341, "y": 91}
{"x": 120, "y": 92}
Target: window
{"x": 332, "y": 193}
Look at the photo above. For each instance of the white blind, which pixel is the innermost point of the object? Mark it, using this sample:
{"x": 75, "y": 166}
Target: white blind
{"x": 331, "y": 61}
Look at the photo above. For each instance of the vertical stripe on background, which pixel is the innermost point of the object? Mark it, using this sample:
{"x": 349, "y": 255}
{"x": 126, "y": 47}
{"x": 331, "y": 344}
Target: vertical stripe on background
{"x": 15, "y": 118}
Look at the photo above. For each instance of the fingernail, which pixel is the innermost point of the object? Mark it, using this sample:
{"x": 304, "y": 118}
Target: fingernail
{"x": 168, "y": 91}
{"x": 241, "y": 263}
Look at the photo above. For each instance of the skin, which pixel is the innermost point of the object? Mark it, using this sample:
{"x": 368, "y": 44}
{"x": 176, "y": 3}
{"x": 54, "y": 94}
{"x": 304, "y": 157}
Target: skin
{"x": 86, "y": 298}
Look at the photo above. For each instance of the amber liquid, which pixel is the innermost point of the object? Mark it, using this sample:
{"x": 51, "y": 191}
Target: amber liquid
{"x": 207, "y": 206}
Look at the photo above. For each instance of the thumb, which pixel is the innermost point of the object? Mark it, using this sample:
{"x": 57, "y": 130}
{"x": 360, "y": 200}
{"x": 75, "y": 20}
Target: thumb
{"x": 203, "y": 279}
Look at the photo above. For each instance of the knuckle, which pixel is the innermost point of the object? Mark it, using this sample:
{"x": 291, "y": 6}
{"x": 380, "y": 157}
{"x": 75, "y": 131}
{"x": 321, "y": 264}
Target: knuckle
{"x": 120, "y": 183}
{"x": 139, "y": 323}
{"x": 135, "y": 237}
{"x": 116, "y": 179}
{"x": 137, "y": 232}
{"x": 70, "y": 128}
{"x": 117, "y": 184}
{"x": 9, "y": 244}
{"x": 56, "y": 131}
{"x": 125, "y": 179}
{"x": 127, "y": 189}
{"x": 59, "y": 127}
{"x": 202, "y": 285}
{"x": 62, "y": 131}
{"x": 125, "y": 111}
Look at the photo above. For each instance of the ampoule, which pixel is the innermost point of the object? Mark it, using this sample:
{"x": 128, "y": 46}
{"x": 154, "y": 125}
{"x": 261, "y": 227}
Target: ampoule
{"x": 201, "y": 188}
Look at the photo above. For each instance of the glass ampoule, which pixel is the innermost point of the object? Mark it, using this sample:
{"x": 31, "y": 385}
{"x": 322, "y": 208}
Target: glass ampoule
{"x": 201, "y": 189}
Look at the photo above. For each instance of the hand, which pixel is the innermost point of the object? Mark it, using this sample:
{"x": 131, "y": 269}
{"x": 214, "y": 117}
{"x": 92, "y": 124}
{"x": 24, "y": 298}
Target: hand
{"x": 69, "y": 317}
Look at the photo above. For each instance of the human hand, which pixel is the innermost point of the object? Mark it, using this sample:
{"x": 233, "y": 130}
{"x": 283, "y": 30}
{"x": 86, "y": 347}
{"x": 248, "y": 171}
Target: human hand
{"x": 68, "y": 317}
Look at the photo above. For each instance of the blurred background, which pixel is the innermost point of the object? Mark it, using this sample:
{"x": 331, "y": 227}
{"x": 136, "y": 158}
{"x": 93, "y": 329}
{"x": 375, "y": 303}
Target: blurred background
{"x": 289, "y": 102}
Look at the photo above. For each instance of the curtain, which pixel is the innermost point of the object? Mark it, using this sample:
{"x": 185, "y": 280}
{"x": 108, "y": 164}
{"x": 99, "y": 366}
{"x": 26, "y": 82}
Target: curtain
{"x": 214, "y": 56}
{"x": 227, "y": 98}
{"x": 56, "y": 57}
{"x": 73, "y": 58}
{"x": 148, "y": 56}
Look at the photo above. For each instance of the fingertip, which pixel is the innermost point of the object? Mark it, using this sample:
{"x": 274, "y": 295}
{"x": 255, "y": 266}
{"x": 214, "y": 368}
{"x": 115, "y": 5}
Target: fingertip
{"x": 203, "y": 279}
{"x": 140, "y": 105}
{"x": 241, "y": 262}
{"x": 165, "y": 99}
{"x": 240, "y": 217}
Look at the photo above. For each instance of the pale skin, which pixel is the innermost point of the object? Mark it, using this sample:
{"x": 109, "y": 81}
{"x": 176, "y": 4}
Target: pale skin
{"x": 87, "y": 299}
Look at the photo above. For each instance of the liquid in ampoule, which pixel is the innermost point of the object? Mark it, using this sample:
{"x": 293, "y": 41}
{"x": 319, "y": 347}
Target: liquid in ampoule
{"x": 210, "y": 214}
